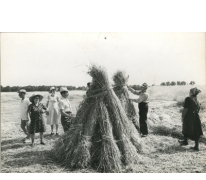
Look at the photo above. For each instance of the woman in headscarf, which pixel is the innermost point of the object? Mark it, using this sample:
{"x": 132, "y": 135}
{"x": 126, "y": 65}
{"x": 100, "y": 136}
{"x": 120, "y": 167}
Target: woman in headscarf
{"x": 191, "y": 127}
{"x": 143, "y": 101}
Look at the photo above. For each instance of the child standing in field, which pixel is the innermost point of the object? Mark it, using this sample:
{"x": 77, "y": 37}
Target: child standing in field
{"x": 191, "y": 127}
{"x": 24, "y": 113}
{"x": 54, "y": 113}
{"x": 35, "y": 111}
{"x": 143, "y": 101}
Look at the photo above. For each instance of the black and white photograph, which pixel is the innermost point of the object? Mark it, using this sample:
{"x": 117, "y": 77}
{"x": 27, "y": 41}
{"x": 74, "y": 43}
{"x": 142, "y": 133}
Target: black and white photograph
{"x": 103, "y": 102}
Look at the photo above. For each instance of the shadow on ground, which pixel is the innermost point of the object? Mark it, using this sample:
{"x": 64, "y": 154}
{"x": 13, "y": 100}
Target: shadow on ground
{"x": 13, "y": 146}
{"x": 49, "y": 136}
{"x": 29, "y": 158}
{"x": 11, "y": 141}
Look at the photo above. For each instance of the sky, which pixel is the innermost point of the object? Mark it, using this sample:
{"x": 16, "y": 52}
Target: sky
{"x": 64, "y": 58}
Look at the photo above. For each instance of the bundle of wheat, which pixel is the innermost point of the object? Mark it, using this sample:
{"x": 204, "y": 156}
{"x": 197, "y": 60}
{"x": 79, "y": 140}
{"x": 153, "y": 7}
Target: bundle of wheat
{"x": 120, "y": 81}
{"x": 102, "y": 136}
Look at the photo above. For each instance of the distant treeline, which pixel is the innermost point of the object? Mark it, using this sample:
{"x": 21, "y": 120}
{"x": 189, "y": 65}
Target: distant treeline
{"x": 179, "y": 83}
{"x": 46, "y": 88}
{"x": 37, "y": 88}
{"x": 71, "y": 88}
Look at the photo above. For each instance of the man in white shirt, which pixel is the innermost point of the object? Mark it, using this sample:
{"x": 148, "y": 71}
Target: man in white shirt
{"x": 24, "y": 104}
{"x": 65, "y": 109}
{"x": 143, "y": 102}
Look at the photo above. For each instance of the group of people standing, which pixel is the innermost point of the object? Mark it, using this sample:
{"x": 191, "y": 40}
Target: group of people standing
{"x": 32, "y": 111}
{"x": 60, "y": 108}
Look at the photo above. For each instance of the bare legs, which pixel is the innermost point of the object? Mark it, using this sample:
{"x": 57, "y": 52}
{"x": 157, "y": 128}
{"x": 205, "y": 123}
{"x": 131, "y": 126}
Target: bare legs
{"x": 41, "y": 138}
{"x": 32, "y": 139}
{"x": 57, "y": 126}
{"x": 25, "y": 127}
{"x": 52, "y": 128}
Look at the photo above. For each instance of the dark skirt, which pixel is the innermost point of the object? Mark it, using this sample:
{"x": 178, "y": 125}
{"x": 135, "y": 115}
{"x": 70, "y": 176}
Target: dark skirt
{"x": 37, "y": 125}
{"x": 192, "y": 127}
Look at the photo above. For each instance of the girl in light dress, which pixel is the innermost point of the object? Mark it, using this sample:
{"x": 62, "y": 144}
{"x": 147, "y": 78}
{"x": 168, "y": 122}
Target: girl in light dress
{"x": 53, "y": 116}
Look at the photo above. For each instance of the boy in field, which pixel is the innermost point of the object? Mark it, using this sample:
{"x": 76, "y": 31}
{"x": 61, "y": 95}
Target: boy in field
{"x": 24, "y": 114}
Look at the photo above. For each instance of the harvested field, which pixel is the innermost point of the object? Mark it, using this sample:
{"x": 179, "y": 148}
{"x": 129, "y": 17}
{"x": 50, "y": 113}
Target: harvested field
{"x": 161, "y": 150}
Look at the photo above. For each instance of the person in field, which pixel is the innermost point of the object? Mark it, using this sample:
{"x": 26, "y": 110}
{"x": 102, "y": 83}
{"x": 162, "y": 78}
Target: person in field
{"x": 35, "y": 111}
{"x": 54, "y": 113}
{"x": 143, "y": 101}
{"x": 24, "y": 104}
{"x": 65, "y": 109}
{"x": 88, "y": 88}
{"x": 191, "y": 127}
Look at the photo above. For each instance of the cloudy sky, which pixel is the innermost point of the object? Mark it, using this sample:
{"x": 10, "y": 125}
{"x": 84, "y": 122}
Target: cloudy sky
{"x": 63, "y": 58}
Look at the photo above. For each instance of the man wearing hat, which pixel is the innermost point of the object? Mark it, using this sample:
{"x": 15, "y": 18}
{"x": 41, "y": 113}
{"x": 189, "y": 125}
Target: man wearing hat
{"x": 24, "y": 104}
{"x": 143, "y": 101}
{"x": 65, "y": 109}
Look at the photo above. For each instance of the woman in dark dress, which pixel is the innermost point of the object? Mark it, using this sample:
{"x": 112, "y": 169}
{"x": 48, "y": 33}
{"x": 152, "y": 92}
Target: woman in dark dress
{"x": 37, "y": 124}
{"x": 191, "y": 127}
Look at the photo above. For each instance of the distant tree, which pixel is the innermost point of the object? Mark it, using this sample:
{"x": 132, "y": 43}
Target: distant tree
{"x": 162, "y": 84}
{"x": 168, "y": 83}
{"x": 192, "y": 83}
{"x": 153, "y": 85}
{"x": 173, "y": 83}
{"x": 7, "y": 89}
{"x": 178, "y": 83}
{"x": 183, "y": 83}
{"x": 82, "y": 88}
{"x": 17, "y": 88}
{"x": 72, "y": 88}
{"x": 13, "y": 89}
{"x": 37, "y": 88}
{"x": 33, "y": 88}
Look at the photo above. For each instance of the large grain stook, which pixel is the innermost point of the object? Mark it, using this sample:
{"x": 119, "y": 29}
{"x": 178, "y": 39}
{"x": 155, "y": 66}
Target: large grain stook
{"x": 110, "y": 157}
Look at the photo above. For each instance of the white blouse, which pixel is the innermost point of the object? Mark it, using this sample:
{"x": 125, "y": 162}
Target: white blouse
{"x": 65, "y": 105}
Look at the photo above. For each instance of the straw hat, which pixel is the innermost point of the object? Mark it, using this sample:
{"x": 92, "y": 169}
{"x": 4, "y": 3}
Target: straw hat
{"x": 34, "y": 95}
{"x": 52, "y": 88}
{"x": 22, "y": 91}
{"x": 63, "y": 89}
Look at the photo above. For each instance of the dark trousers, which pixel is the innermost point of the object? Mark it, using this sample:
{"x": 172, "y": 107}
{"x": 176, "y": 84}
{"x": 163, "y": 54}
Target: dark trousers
{"x": 66, "y": 122}
{"x": 143, "y": 110}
